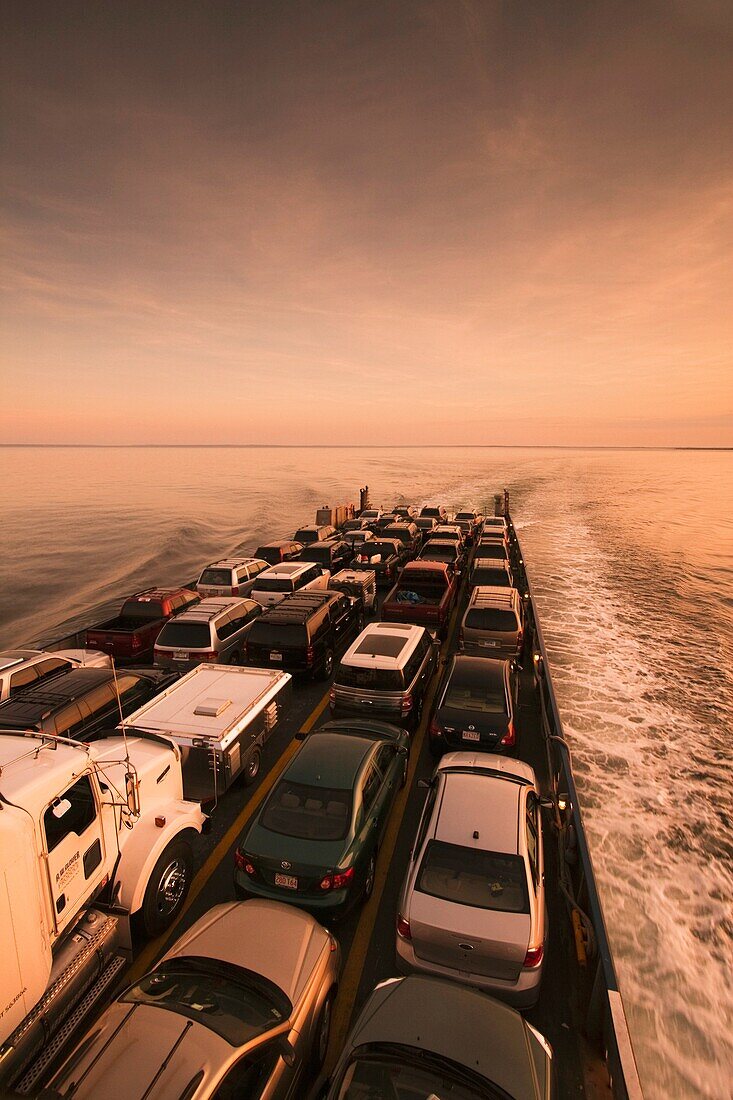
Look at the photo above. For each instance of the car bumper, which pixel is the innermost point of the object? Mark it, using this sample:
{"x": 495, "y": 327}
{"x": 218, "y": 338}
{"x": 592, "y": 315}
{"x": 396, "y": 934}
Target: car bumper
{"x": 521, "y": 994}
{"x": 333, "y": 905}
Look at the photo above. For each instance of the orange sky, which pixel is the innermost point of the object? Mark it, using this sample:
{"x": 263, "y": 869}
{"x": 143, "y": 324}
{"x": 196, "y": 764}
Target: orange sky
{"x": 343, "y": 222}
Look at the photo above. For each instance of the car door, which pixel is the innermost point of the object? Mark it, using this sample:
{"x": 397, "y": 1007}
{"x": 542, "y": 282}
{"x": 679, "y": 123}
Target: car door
{"x": 367, "y": 825}
{"x": 388, "y": 762}
{"x": 342, "y": 622}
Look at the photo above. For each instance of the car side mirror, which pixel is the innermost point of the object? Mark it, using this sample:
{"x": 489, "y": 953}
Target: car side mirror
{"x": 423, "y": 784}
{"x": 286, "y": 1050}
{"x": 403, "y": 751}
{"x": 547, "y": 803}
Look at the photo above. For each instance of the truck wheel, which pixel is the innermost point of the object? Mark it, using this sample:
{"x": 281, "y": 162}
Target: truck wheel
{"x": 327, "y": 665}
{"x": 167, "y": 887}
{"x": 252, "y": 767}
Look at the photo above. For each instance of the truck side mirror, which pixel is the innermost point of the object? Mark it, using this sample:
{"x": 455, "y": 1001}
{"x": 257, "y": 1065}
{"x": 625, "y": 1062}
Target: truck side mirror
{"x": 60, "y": 808}
{"x": 132, "y": 795}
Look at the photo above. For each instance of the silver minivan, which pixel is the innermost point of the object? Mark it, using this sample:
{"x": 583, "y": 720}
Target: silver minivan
{"x": 493, "y": 625}
{"x": 214, "y": 630}
{"x": 230, "y": 577}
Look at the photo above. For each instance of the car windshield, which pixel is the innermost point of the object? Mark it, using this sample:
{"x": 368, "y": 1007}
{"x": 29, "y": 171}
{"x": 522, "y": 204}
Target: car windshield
{"x": 277, "y": 635}
{"x": 274, "y": 584}
{"x": 490, "y": 618}
{"x": 470, "y": 876}
{"x": 182, "y": 635}
{"x": 308, "y": 812}
{"x": 378, "y": 1070}
{"x": 472, "y": 692}
{"x": 235, "y": 1003}
{"x": 220, "y": 577}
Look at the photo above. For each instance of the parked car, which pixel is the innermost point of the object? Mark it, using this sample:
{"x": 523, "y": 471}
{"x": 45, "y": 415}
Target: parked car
{"x": 494, "y": 524}
{"x": 130, "y": 636}
{"x": 230, "y": 577}
{"x": 214, "y": 631}
{"x": 360, "y": 583}
{"x": 356, "y": 524}
{"x": 279, "y": 581}
{"x": 424, "y": 594}
{"x": 425, "y": 524}
{"x": 314, "y": 533}
{"x": 384, "y": 520}
{"x": 427, "y": 1037}
{"x": 406, "y": 511}
{"x": 493, "y": 625}
{"x": 491, "y": 573}
{"x": 274, "y": 553}
{"x": 469, "y": 520}
{"x": 22, "y": 668}
{"x": 386, "y": 673}
{"x": 475, "y": 706}
{"x": 81, "y": 702}
{"x": 408, "y": 534}
{"x": 370, "y": 515}
{"x": 384, "y": 556}
{"x": 446, "y": 532}
{"x": 355, "y": 538}
{"x": 438, "y": 512}
{"x": 332, "y": 554}
{"x": 314, "y": 843}
{"x": 443, "y": 550}
{"x": 494, "y": 549}
{"x": 306, "y": 632}
{"x": 472, "y": 905}
{"x": 239, "y": 1007}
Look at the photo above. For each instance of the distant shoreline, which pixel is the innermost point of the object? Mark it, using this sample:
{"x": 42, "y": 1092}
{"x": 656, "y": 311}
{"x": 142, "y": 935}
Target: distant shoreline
{"x": 345, "y": 447}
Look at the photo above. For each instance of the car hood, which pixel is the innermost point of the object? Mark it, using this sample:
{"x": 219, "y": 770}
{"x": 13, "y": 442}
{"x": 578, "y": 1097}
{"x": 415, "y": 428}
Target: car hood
{"x": 278, "y": 941}
{"x": 455, "y": 1022}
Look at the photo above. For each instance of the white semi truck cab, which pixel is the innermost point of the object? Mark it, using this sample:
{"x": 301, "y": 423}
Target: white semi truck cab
{"x": 81, "y": 824}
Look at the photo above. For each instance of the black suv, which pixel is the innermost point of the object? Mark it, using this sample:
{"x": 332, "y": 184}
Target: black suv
{"x": 82, "y": 702}
{"x": 305, "y": 632}
{"x": 332, "y": 554}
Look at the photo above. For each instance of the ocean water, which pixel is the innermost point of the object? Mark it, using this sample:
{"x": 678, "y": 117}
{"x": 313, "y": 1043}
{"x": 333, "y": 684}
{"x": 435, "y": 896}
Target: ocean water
{"x": 631, "y": 557}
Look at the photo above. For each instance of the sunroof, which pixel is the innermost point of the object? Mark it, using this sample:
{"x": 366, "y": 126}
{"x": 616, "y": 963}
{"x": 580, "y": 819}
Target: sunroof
{"x": 382, "y": 645}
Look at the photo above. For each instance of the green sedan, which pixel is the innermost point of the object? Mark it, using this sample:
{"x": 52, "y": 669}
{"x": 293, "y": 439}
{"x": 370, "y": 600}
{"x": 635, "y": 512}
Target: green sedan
{"x": 315, "y": 840}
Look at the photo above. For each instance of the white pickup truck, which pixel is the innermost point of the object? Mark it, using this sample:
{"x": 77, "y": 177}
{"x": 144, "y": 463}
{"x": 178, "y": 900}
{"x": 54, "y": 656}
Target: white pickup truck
{"x": 79, "y": 824}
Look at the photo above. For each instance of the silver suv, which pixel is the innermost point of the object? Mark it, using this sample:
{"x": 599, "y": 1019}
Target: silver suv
{"x": 493, "y": 625}
{"x": 230, "y": 577}
{"x": 214, "y": 630}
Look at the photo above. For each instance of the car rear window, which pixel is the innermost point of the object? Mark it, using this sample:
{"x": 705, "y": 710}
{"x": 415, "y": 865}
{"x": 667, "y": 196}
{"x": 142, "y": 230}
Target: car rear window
{"x": 278, "y": 635}
{"x": 307, "y": 812}
{"x": 438, "y": 553}
{"x": 375, "y": 679}
{"x": 138, "y": 611}
{"x": 471, "y": 693}
{"x": 320, "y": 554}
{"x": 274, "y": 584}
{"x": 491, "y": 618}
{"x": 306, "y": 535}
{"x": 496, "y": 551}
{"x": 219, "y": 577}
{"x": 469, "y": 876}
{"x": 491, "y": 578}
{"x": 374, "y": 546}
{"x": 182, "y": 635}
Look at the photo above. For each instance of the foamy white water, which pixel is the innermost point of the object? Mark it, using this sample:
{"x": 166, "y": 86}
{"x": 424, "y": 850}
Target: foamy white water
{"x": 631, "y": 555}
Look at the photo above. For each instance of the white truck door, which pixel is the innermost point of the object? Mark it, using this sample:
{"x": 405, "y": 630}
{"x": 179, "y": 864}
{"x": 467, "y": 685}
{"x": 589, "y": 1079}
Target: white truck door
{"x": 74, "y": 843}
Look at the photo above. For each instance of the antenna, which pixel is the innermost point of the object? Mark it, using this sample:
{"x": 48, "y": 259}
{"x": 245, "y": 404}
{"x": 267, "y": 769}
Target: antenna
{"x": 119, "y": 708}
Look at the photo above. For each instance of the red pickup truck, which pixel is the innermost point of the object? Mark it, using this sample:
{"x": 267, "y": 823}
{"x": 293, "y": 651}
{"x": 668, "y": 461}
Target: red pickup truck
{"x": 424, "y": 595}
{"x": 130, "y": 637}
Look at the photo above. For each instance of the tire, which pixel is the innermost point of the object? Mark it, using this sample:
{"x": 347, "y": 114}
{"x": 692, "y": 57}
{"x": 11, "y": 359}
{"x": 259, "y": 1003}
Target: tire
{"x": 417, "y": 715}
{"x": 327, "y": 667}
{"x": 234, "y": 659}
{"x": 322, "y": 1034}
{"x": 252, "y": 767}
{"x": 369, "y": 878}
{"x": 167, "y": 887}
{"x": 405, "y": 769}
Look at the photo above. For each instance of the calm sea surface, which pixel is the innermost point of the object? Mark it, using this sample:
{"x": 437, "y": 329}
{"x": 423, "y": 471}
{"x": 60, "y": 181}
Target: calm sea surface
{"x": 631, "y": 554}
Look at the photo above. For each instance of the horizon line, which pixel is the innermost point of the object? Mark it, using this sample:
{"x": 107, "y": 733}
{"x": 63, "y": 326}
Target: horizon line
{"x": 370, "y": 446}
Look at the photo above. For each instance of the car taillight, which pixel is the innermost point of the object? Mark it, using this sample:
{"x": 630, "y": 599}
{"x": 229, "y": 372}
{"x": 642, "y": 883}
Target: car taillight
{"x": 332, "y": 697}
{"x": 533, "y": 957}
{"x": 406, "y": 704}
{"x": 310, "y": 654}
{"x": 337, "y": 880}
{"x": 213, "y": 656}
{"x": 403, "y": 928}
{"x": 242, "y": 863}
{"x": 136, "y": 642}
{"x": 235, "y": 590}
{"x": 435, "y": 730}
{"x": 520, "y": 639}
{"x": 510, "y": 736}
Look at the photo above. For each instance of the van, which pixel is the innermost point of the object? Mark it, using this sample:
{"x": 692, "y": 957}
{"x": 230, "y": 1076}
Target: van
{"x": 493, "y": 625}
{"x": 279, "y": 581}
{"x": 230, "y": 577}
{"x": 215, "y": 631}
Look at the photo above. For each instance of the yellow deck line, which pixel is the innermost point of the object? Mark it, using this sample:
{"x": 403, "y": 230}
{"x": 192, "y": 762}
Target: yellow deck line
{"x": 146, "y": 957}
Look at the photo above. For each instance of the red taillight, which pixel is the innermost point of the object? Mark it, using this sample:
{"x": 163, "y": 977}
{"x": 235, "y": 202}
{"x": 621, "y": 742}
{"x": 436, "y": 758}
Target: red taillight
{"x": 332, "y": 697}
{"x": 520, "y": 639}
{"x": 338, "y": 880}
{"x": 136, "y": 642}
{"x": 310, "y": 654}
{"x": 533, "y": 957}
{"x": 235, "y": 590}
{"x": 510, "y": 736}
{"x": 435, "y": 730}
{"x": 403, "y": 928}
{"x": 242, "y": 863}
{"x": 406, "y": 704}
{"x": 213, "y": 656}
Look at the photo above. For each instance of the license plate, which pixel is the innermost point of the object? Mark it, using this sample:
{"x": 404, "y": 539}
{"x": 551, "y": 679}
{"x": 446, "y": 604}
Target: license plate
{"x": 486, "y": 645}
{"x": 180, "y": 654}
{"x": 286, "y": 880}
{"x": 471, "y": 735}
{"x": 275, "y": 656}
